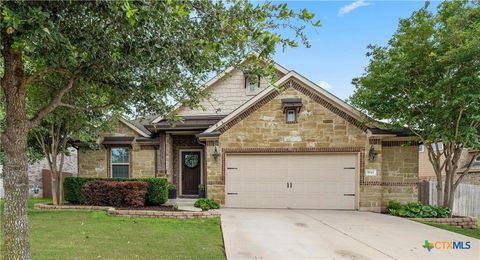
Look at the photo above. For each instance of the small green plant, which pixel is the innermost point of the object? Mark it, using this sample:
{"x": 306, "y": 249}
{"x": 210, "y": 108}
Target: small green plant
{"x": 415, "y": 209}
{"x": 201, "y": 187}
{"x": 175, "y": 206}
{"x": 206, "y": 204}
{"x": 172, "y": 186}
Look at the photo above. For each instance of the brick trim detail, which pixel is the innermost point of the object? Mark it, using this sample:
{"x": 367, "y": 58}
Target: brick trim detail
{"x": 359, "y": 150}
{"x": 317, "y": 98}
{"x": 379, "y": 183}
{"x": 399, "y": 143}
{"x": 374, "y": 141}
{"x": 248, "y": 111}
{"x": 296, "y": 85}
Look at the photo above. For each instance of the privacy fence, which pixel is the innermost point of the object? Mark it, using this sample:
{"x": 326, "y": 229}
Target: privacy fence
{"x": 467, "y": 198}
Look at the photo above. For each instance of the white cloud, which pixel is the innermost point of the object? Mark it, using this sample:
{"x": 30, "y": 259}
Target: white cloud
{"x": 350, "y": 7}
{"x": 325, "y": 85}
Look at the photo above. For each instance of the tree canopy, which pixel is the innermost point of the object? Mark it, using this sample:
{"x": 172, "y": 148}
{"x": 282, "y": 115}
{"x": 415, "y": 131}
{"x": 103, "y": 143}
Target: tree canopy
{"x": 428, "y": 76}
{"x": 132, "y": 56}
{"x": 142, "y": 54}
{"x": 428, "y": 79}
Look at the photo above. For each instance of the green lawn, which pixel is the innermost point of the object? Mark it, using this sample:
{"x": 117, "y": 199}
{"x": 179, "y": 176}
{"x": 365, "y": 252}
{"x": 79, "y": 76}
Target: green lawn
{"x": 475, "y": 233}
{"x": 89, "y": 235}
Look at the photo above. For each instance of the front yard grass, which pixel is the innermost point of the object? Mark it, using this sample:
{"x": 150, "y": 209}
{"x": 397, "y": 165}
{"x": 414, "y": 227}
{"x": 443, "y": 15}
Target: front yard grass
{"x": 475, "y": 233}
{"x": 93, "y": 234}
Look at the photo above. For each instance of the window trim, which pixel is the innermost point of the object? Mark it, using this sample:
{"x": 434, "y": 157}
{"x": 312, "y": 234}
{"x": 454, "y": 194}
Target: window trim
{"x": 111, "y": 163}
{"x": 294, "y": 116}
{"x": 248, "y": 79}
{"x": 421, "y": 148}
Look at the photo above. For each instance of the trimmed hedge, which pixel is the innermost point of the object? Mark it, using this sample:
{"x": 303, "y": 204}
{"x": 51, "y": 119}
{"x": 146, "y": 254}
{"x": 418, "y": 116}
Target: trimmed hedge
{"x": 115, "y": 193}
{"x": 157, "y": 192}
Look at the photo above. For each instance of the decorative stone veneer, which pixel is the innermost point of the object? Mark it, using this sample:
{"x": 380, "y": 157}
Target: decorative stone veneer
{"x": 463, "y": 222}
{"x": 169, "y": 157}
{"x": 136, "y": 213}
{"x": 265, "y": 127}
{"x": 320, "y": 127}
{"x": 95, "y": 163}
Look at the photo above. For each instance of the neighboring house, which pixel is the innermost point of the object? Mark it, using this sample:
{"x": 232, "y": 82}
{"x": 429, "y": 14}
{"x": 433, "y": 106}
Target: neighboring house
{"x": 35, "y": 176}
{"x": 257, "y": 147}
{"x": 427, "y": 173}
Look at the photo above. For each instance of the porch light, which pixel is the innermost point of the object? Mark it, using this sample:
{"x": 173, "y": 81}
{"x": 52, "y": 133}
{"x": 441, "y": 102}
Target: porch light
{"x": 215, "y": 154}
{"x": 372, "y": 154}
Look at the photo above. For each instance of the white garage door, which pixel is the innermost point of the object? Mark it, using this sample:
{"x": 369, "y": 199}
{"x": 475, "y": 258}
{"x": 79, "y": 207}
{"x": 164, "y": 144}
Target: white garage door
{"x": 304, "y": 181}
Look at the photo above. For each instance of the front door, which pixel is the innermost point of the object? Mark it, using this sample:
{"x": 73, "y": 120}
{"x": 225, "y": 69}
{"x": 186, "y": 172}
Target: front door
{"x": 191, "y": 171}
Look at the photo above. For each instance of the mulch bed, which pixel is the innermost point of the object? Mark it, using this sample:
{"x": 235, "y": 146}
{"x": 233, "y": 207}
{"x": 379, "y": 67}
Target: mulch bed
{"x": 153, "y": 208}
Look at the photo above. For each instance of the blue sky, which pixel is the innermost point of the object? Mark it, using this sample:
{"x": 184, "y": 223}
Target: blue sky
{"x": 338, "y": 47}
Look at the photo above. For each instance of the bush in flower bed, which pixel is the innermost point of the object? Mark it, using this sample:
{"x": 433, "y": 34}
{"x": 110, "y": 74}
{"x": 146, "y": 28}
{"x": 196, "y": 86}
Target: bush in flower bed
{"x": 206, "y": 204}
{"x": 115, "y": 193}
{"x": 157, "y": 191}
{"x": 415, "y": 209}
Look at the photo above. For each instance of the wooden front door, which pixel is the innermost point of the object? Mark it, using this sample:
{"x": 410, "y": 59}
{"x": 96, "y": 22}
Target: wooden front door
{"x": 191, "y": 171}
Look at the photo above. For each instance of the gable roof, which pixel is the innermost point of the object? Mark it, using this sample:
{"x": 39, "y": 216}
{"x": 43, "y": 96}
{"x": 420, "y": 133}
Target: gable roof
{"x": 306, "y": 86}
{"x": 217, "y": 78}
{"x": 136, "y": 126}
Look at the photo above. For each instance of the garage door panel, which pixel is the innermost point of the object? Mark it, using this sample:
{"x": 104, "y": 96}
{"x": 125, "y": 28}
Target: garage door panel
{"x": 319, "y": 181}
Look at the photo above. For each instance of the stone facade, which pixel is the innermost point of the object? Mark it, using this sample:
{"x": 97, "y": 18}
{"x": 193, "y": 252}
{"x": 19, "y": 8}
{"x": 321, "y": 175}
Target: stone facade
{"x": 95, "y": 163}
{"x": 318, "y": 129}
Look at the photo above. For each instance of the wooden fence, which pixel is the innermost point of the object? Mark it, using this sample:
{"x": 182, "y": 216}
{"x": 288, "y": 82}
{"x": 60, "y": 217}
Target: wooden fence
{"x": 467, "y": 198}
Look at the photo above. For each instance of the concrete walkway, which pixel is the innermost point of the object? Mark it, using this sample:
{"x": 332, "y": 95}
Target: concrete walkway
{"x": 325, "y": 234}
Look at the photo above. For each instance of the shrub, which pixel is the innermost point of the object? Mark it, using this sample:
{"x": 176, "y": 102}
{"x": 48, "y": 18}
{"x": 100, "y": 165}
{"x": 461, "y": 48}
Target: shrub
{"x": 172, "y": 186}
{"x": 206, "y": 204}
{"x": 115, "y": 193}
{"x": 157, "y": 193}
{"x": 157, "y": 188}
{"x": 415, "y": 209}
{"x": 72, "y": 189}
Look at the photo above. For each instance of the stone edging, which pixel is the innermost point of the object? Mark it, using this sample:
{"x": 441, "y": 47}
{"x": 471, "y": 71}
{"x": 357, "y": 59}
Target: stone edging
{"x": 463, "y": 222}
{"x": 136, "y": 213}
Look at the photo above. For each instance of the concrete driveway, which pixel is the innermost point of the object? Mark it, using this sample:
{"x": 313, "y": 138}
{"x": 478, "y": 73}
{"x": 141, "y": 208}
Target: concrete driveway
{"x": 326, "y": 234}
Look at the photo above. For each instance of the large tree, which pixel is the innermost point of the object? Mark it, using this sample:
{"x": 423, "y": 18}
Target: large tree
{"x": 428, "y": 79}
{"x": 140, "y": 55}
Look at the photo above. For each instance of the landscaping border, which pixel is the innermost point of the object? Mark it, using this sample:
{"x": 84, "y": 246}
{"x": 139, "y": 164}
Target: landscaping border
{"x": 135, "y": 213}
{"x": 462, "y": 222}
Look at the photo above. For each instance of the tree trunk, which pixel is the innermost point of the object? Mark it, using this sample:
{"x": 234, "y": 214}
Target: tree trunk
{"x": 14, "y": 141}
{"x": 60, "y": 189}
{"x": 54, "y": 175}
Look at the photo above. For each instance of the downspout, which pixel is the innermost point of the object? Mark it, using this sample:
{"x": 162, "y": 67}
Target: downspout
{"x": 155, "y": 149}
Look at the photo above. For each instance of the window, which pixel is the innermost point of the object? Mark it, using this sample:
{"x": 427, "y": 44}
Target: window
{"x": 291, "y": 116}
{"x": 252, "y": 85}
{"x": 440, "y": 146}
{"x": 421, "y": 148}
{"x": 477, "y": 159}
{"x": 120, "y": 162}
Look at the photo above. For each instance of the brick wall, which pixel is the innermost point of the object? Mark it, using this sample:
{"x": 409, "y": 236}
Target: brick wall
{"x": 318, "y": 128}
